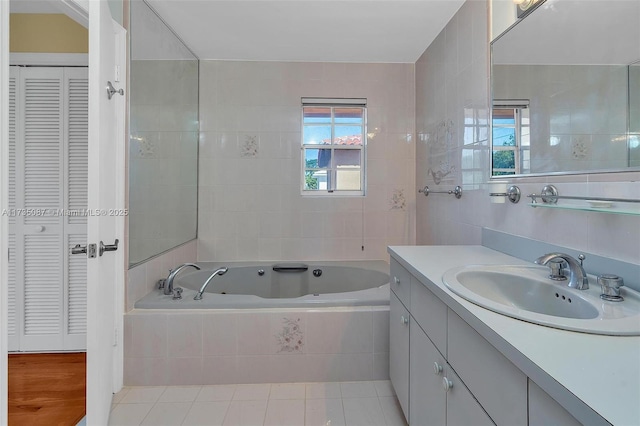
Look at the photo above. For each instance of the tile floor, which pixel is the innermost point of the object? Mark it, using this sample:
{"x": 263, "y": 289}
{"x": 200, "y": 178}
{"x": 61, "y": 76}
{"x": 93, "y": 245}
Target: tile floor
{"x": 280, "y": 404}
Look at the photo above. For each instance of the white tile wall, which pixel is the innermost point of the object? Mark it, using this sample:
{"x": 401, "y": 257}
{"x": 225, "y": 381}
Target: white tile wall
{"x": 250, "y": 207}
{"x": 449, "y": 88}
{"x": 222, "y": 347}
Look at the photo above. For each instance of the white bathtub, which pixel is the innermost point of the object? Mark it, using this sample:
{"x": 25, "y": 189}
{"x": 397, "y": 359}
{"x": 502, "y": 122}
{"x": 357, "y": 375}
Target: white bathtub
{"x": 278, "y": 285}
{"x": 337, "y": 332}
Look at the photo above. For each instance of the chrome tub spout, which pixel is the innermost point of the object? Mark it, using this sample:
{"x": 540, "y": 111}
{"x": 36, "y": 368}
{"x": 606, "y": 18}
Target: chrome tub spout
{"x": 219, "y": 271}
{"x": 168, "y": 285}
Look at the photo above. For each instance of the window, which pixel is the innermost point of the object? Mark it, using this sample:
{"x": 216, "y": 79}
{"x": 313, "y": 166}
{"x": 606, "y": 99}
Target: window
{"x": 333, "y": 146}
{"x": 510, "y": 138}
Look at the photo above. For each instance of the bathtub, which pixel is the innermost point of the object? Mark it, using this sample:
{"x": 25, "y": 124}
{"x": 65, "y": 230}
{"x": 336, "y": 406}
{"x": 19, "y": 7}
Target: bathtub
{"x": 279, "y": 285}
{"x": 291, "y": 327}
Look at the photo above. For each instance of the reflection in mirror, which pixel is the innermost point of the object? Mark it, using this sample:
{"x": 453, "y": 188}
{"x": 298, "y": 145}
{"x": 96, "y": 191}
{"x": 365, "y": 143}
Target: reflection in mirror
{"x": 163, "y": 149}
{"x": 634, "y": 114}
{"x": 562, "y": 88}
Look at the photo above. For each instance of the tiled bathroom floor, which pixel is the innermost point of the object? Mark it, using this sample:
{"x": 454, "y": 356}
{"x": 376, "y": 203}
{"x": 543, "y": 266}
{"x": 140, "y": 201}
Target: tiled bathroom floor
{"x": 280, "y": 404}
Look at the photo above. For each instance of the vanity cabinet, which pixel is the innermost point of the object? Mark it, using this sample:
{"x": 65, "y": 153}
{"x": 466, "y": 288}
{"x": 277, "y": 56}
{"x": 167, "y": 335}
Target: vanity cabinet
{"x": 443, "y": 371}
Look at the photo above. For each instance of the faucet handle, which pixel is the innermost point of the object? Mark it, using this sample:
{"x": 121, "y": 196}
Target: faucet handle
{"x": 581, "y": 258}
{"x": 557, "y": 266}
{"x": 161, "y": 283}
{"x": 610, "y": 285}
{"x": 177, "y": 293}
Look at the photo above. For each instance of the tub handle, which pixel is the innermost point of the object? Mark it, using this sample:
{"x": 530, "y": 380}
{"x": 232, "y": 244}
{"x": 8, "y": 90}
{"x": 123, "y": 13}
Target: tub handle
{"x": 297, "y": 267}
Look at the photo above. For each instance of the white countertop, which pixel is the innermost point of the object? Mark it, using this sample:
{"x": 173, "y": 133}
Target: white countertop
{"x": 602, "y": 372}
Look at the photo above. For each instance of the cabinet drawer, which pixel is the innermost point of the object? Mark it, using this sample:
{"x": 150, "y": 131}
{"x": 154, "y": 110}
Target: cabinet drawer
{"x": 400, "y": 280}
{"x": 498, "y": 385}
{"x": 430, "y": 313}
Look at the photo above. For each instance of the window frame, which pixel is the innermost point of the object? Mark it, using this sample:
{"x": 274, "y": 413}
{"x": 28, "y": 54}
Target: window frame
{"x": 518, "y": 106}
{"x": 332, "y": 170}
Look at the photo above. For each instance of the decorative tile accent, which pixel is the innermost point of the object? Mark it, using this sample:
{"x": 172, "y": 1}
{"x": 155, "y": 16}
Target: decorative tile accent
{"x": 146, "y": 148}
{"x": 579, "y": 149}
{"x": 398, "y": 200}
{"x": 444, "y": 169}
{"x": 291, "y": 338}
{"x": 249, "y": 147}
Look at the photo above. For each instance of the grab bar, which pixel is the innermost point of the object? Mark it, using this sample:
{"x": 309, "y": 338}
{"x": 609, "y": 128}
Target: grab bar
{"x": 457, "y": 191}
{"x": 296, "y": 267}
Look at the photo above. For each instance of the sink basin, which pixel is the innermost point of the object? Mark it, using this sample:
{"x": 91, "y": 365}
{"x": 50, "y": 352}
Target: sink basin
{"x": 526, "y": 293}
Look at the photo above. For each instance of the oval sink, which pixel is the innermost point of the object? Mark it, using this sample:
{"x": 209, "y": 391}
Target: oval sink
{"x": 526, "y": 293}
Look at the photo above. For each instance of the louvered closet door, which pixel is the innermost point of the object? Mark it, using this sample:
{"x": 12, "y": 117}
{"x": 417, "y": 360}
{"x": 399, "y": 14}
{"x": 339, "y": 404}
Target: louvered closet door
{"x": 75, "y": 226}
{"x": 50, "y": 141}
{"x": 41, "y": 181}
{"x": 14, "y": 338}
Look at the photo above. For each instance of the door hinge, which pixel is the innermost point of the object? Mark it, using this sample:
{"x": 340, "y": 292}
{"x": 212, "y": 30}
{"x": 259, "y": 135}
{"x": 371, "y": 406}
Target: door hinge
{"x": 117, "y": 76}
{"x": 115, "y": 337}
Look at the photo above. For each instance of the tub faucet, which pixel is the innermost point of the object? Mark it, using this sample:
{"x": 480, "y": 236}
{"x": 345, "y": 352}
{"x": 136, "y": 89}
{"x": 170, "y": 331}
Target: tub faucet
{"x": 577, "y": 276}
{"x": 168, "y": 285}
{"x": 219, "y": 271}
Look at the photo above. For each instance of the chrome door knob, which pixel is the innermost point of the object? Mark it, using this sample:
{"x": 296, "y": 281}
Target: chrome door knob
{"x": 404, "y": 320}
{"x": 396, "y": 280}
{"x": 437, "y": 369}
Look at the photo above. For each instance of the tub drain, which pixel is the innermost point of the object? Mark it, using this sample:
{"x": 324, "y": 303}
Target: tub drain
{"x": 317, "y": 272}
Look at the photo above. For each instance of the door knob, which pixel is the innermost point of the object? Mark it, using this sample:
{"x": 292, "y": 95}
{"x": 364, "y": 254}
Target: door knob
{"x": 108, "y": 247}
{"x": 112, "y": 90}
{"x": 78, "y": 249}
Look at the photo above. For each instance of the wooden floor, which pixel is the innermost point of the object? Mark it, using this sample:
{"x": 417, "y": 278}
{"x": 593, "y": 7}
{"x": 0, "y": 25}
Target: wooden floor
{"x": 47, "y": 389}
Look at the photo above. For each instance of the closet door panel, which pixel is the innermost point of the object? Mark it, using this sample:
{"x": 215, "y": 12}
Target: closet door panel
{"x": 77, "y": 130}
{"x": 43, "y": 143}
{"x": 13, "y": 331}
{"x": 43, "y": 315}
{"x": 75, "y": 203}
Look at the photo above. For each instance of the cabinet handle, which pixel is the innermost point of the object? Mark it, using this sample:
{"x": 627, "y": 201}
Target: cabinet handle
{"x": 437, "y": 369}
{"x": 404, "y": 320}
{"x": 447, "y": 384}
{"x": 396, "y": 280}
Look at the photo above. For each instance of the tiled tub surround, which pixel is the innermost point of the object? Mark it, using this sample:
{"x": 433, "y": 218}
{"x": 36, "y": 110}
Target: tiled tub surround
{"x": 250, "y": 206}
{"x": 143, "y": 278}
{"x": 190, "y": 347}
{"x": 452, "y": 87}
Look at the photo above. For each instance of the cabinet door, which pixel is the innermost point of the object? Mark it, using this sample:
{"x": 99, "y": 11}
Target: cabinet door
{"x": 495, "y": 382}
{"x": 462, "y": 407}
{"x": 399, "y": 352}
{"x": 544, "y": 410}
{"x": 430, "y": 313}
{"x": 427, "y": 397}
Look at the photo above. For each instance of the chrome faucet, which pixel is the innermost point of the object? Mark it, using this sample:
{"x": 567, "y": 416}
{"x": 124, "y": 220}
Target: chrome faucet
{"x": 577, "y": 276}
{"x": 168, "y": 285}
{"x": 219, "y": 271}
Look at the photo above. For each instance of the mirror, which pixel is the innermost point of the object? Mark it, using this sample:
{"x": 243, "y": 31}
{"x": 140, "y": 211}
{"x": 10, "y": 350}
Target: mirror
{"x": 566, "y": 98}
{"x": 163, "y": 148}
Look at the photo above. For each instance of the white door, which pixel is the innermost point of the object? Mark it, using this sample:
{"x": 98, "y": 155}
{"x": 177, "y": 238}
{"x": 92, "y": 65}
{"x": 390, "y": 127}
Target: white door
{"x": 105, "y": 273}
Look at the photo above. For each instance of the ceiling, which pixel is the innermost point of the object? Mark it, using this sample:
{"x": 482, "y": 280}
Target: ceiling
{"x": 308, "y": 30}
